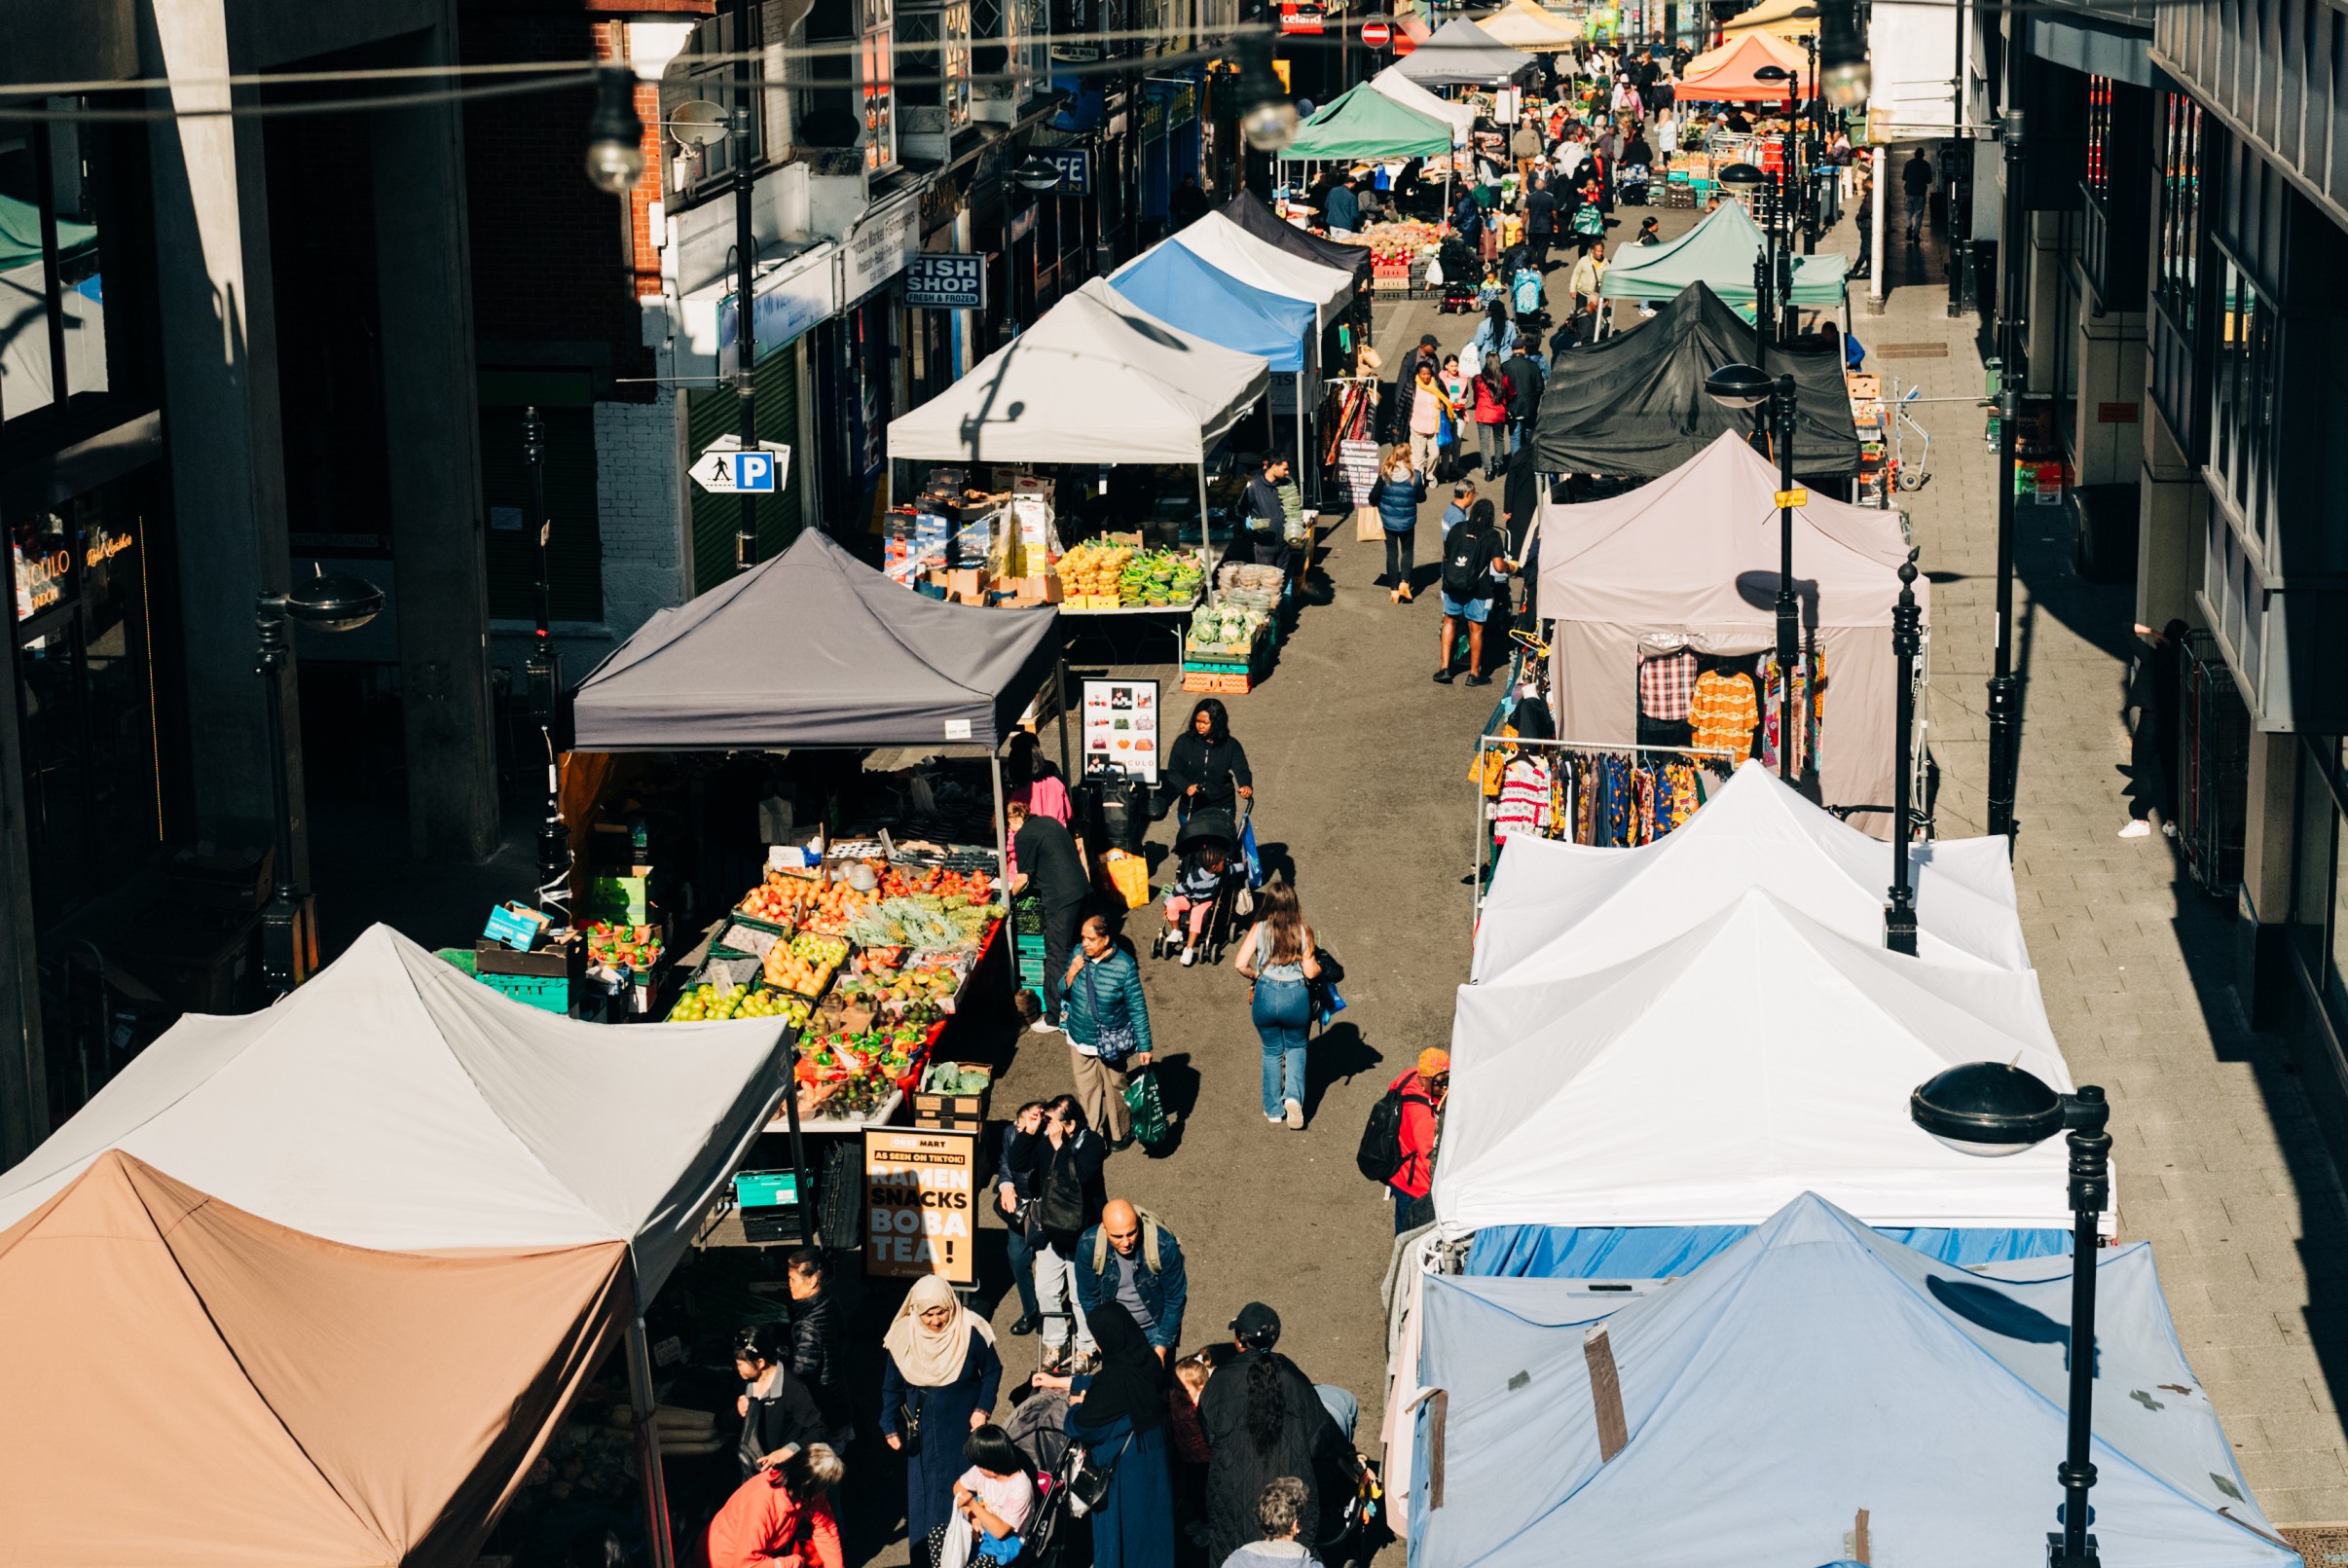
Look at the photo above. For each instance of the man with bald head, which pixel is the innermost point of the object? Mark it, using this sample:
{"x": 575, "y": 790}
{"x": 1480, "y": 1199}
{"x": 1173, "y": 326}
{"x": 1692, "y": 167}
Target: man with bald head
{"x": 1132, "y": 1260}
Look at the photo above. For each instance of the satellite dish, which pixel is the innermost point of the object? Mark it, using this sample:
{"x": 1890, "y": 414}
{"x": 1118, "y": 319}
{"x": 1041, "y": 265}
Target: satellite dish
{"x": 698, "y": 123}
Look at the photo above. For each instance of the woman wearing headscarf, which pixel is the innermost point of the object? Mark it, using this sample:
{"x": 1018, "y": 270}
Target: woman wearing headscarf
{"x": 1118, "y": 1413}
{"x": 938, "y": 1387}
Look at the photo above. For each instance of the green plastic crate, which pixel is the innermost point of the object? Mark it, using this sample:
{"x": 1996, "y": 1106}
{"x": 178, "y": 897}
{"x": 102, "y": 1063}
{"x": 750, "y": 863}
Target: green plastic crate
{"x": 548, "y": 993}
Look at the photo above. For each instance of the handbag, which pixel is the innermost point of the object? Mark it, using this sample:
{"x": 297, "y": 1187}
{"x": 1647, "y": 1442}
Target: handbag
{"x": 908, "y": 1429}
{"x": 1112, "y": 1043}
{"x": 1088, "y": 1482}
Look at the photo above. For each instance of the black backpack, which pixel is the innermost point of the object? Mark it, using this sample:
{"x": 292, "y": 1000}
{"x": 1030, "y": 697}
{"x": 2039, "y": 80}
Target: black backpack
{"x": 1466, "y": 563}
{"x": 1381, "y": 1155}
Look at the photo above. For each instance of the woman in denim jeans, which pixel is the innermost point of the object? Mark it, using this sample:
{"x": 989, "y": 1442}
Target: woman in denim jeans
{"x": 1279, "y": 957}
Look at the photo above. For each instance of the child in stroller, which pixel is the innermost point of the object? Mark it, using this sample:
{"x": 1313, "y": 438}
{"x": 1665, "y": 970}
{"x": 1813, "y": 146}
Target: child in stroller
{"x": 1206, "y": 881}
{"x": 1461, "y": 269}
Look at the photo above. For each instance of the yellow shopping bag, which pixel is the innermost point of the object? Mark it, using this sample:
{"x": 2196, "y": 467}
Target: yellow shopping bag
{"x": 1128, "y": 876}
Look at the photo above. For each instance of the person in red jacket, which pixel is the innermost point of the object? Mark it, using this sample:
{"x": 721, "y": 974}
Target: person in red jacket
{"x": 1493, "y": 395}
{"x": 778, "y": 1519}
{"x": 1422, "y": 1090}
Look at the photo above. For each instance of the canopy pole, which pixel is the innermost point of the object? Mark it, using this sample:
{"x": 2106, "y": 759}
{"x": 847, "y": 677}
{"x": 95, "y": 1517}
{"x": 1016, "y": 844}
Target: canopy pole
{"x": 1060, "y": 690}
{"x": 798, "y": 1148}
{"x": 1206, "y": 559}
{"x": 643, "y": 1404}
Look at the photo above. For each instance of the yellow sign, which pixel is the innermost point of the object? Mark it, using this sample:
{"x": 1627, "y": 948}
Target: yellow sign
{"x": 1793, "y": 497}
{"x": 920, "y": 1208}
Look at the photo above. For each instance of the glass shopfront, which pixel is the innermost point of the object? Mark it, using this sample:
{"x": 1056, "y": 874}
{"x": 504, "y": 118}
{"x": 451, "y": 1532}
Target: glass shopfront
{"x": 84, "y": 616}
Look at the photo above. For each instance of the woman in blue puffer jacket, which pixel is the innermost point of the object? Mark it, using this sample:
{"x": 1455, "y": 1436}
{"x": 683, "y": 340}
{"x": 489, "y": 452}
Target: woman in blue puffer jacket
{"x": 1107, "y": 1020}
{"x": 1396, "y": 495}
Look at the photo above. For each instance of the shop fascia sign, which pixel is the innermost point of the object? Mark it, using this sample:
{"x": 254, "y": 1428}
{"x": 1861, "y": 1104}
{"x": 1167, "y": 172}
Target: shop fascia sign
{"x": 791, "y": 298}
{"x": 878, "y": 248}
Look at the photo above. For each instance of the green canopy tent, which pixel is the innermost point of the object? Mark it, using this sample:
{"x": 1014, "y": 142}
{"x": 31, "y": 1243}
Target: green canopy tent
{"x": 1361, "y": 124}
{"x": 1719, "y": 251}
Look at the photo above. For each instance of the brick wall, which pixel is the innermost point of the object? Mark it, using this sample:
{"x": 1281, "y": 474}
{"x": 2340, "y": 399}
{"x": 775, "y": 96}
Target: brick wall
{"x": 637, "y": 483}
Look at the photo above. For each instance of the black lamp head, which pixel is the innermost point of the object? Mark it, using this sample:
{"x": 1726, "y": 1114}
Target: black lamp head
{"x": 1739, "y": 386}
{"x": 1036, "y": 172}
{"x": 336, "y": 603}
{"x": 1987, "y": 1109}
{"x": 1772, "y": 73}
{"x": 1741, "y": 174}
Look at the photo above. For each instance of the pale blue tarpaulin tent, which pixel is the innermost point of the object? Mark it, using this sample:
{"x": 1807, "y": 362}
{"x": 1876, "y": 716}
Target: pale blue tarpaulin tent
{"x": 1182, "y": 289}
{"x": 1811, "y": 1370}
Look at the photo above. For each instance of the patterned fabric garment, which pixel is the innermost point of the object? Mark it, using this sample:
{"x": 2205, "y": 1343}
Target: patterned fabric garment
{"x": 1810, "y": 702}
{"x": 1616, "y": 775}
{"x": 1666, "y": 685}
{"x": 1524, "y": 803}
{"x": 1722, "y": 713}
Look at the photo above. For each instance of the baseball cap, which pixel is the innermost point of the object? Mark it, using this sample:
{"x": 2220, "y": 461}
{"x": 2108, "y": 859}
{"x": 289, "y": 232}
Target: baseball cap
{"x": 1257, "y": 1325}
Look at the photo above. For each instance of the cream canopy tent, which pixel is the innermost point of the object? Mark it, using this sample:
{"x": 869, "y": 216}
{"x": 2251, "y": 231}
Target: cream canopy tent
{"x": 1789, "y": 19}
{"x": 1393, "y": 84}
{"x": 1779, "y": 1055}
{"x": 1558, "y": 908}
{"x": 1097, "y": 380}
{"x": 1523, "y": 25}
{"x": 197, "y": 1386}
{"x": 1691, "y": 561}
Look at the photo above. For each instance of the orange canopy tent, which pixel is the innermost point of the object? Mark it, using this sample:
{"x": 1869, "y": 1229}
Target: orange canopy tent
{"x": 197, "y": 1386}
{"x": 1725, "y": 75}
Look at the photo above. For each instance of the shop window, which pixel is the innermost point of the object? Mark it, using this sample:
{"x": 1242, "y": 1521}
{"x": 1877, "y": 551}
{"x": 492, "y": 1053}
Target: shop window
{"x": 52, "y": 297}
{"x": 703, "y": 70}
{"x": 2319, "y": 932}
{"x": 2099, "y": 137}
{"x": 2243, "y": 394}
{"x": 2178, "y": 264}
{"x": 933, "y": 71}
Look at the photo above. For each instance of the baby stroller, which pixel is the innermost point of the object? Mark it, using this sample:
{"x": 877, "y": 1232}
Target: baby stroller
{"x": 1039, "y": 1429}
{"x": 1462, "y": 271}
{"x": 1631, "y": 185}
{"x": 1208, "y": 874}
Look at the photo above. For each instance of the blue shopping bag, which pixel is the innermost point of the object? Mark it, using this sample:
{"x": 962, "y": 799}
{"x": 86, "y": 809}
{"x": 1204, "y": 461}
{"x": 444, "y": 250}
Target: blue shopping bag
{"x": 1247, "y": 853}
{"x": 1327, "y": 1004}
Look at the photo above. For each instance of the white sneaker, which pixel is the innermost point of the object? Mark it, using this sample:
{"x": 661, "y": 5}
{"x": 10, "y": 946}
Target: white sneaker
{"x": 1276, "y": 1121}
{"x": 1043, "y": 1027}
{"x": 2136, "y": 827}
{"x": 1190, "y": 956}
{"x": 1296, "y": 1115}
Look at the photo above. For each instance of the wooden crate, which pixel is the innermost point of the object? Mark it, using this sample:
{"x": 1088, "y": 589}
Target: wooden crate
{"x": 1218, "y": 682}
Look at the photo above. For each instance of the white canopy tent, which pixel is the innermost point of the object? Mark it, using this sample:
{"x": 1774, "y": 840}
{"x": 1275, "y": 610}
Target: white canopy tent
{"x": 1224, "y": 244}
{"x": 1757, "y": 1056}
{"x": 395, "y": 1103}
{"x": 1535, "y": 29}
{"x": 1096, "y": 380}
{"x": 1691, "y": 561}
{"x": 1557, "y": 909}
{"x": 1393, "y": 84}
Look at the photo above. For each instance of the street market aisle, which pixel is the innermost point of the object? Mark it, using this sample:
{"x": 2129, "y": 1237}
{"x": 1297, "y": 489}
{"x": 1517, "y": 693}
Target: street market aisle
{"x": 2218, "y": 1161}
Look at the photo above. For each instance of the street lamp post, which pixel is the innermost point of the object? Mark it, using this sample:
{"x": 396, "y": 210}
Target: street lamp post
{"x": 746, "y": 277}
{"x": 543, "y": 671}
{"x": 1748, "y": 387}
{"x": 1809, "y": 154}
{"x": 2004, "y": 720}
{"x": 1765, "y": 311}
{"x": 1907, "y": 639}
{"x": 1990, "y": 1109}
{"x": 288, "y": 942}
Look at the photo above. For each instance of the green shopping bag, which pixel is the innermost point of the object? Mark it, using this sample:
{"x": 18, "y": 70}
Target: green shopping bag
{"x": 1151, "y": 1124}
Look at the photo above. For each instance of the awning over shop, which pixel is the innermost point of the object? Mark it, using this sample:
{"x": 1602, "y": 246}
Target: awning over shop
{"x": 816, "y": 648}
{"x": 1633, "y": 403}
{"x": 1525, "y": 25}
{"x": 1812, "y": 1374}
{"x": 1720, "y": 252}
{"x": 192, "y": 1384}
{"x": 1725, "y": 75}
{"x": 1560, "y": 908}
{"x": 396, "y": 1103}
{"x": 1247, "y": 209}
{"x": 1231, "y": 249}
{"x": 1460, "y": 117}
{"x": 1097, "y": 380}
{"x": 1362, "y": 122}
{"x": 1782, "y": 1056}
{"x": 1182, "y": 289}
{"x": 1691, "y": 562}
{"x": 1461, "y": 53}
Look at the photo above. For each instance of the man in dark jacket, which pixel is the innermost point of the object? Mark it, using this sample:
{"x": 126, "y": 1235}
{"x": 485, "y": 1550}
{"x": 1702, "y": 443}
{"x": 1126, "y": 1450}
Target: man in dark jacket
{"x": 1540, "y": 221}
{"x": 1132, "y": 1259}
{"x": 819, "y": 1356}
{"x": 1258, "y": 1390}
{"x": 1053, "y": 871}
{"x": 1523, "y": 369}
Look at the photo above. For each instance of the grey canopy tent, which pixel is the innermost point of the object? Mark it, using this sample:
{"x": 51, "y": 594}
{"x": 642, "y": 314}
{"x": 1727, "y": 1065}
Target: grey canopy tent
{"x": 1462, "y": 53}
{"x": 1248, "y": 212}
{"x": 815, "y": 648}
{"x": 1633, "y": 403}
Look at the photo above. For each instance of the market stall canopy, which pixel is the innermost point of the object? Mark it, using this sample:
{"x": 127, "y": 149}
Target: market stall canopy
{"x": 1633, "y": 403}
{"x": 1787, "y": 20}
{"x": 1720, "y": 253}
{"x": 1247, "y": 209}
{"x": 1812, "y": 1372}
{"x": 1691, "y": 561}
{"x": 396, "y": 1103}
{"x": 1523, "y": 25}
{"x": 1362, "y": 122}
{"x": 1725, "y": 75}
{"x": 1558, "y": 908}
{"x": 1182, "y": 289}
{"x": 1096, "y": 380}
{"x": 1459, "y": 52}
{"x": 1395, "y": 85}
{"x": 1260, "y": 263}
{"x": 1753, "y": 1056}
{"x": 195, "y": 1385}
{"x": 816, "y": 648}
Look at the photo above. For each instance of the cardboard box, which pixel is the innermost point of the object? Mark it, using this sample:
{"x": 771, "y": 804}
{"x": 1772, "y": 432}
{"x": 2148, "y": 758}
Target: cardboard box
{"x": 1043, "y": 590}
{"x": 934, "y": 1109}
{"x": 967, "y": 585}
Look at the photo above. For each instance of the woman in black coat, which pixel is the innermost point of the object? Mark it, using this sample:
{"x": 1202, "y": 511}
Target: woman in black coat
{"x": 1205, "y": 766}
{"x": 777, "y": 1409}
{"x": 1264, "y": 1419}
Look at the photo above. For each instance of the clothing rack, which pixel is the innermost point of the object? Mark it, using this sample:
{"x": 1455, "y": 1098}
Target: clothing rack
{"x": 1720, "y": 761}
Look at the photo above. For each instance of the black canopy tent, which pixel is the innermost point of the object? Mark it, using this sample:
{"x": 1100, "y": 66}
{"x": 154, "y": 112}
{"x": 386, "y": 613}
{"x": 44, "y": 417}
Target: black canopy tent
{"x": 1633, "y": 404}
{"x": 1248, "y": 212}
